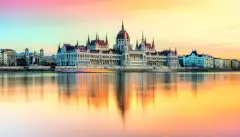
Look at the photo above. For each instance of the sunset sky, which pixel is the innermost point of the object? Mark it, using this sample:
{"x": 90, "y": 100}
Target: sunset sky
{"x": 210, "y": 26}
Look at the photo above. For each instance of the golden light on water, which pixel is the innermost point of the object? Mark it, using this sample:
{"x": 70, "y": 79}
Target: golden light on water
{"x": 128, "y": 104}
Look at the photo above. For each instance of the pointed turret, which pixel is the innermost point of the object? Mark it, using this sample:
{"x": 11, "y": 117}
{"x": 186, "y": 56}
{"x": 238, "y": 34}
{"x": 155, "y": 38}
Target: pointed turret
{"x": 106, "y": 42}
{"x": 88, "y": 41}
{"x": 59, "y": 49}
{"x": 97, "y": 38}
{"x": 142, "y": 37}
{"x": 77, "y": 43}
{"x": 137, "y": 44}
{"x": 153, "y": 44}
{"x": 145, "y": 41}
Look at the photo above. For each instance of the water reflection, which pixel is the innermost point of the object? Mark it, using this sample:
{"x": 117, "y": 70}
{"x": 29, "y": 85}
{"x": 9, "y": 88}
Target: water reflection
{"x": 162, "y": 97}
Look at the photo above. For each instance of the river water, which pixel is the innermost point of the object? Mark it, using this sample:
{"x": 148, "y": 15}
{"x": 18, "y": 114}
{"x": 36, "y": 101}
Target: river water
{"x": 119, "y": 104}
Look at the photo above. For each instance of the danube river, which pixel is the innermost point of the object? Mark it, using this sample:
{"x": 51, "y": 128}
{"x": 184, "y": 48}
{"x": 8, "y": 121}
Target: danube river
{"x": 119, "y": 104}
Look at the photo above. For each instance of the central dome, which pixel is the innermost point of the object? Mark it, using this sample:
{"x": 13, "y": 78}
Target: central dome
{"x": 123, "y": 34}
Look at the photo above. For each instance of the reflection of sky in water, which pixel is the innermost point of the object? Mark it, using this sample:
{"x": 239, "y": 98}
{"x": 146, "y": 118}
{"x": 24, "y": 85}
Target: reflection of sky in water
{"x": 123, "y": 104}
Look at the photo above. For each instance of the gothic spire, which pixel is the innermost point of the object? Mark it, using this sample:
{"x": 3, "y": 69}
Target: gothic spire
{"x": 77, "y": 43}
{"x": 145, "y": 41}
{"x": 122, "y": 25}
{"x": 106, "y": 39}
{"x": 142, "y": 37}
{"x": 59, "y": 49}
{"x": 97, "y": 37}
{"x": 137, "y": 44}
{"x": 153, "y": 44}
{"x": 88, "y": 41}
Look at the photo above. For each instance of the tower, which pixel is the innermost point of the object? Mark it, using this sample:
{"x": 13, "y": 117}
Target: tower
{"x": 123, "y": 45}
{"x": 27, "y": 57}
{"x": 41, "y": 57}
{"x": 88, "y": 41}
{"x": 106, "y": 41}
{"x": 97, "y": 37}
{"x": 136, "y": 45}
{"x": 153, "y": 44}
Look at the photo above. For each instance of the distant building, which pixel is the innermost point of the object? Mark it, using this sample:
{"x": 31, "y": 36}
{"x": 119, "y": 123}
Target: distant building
{"x": 198, "y": 60}
{"x": 218, "y": 63}
{"x": 97, "y": 53}
{"x": 180, "y": 60}
{"x": 234, "y": 63}
{"x": 7, "y": 57}
{"x": 28, "y": 58}
{"x": 227, "y": 64}
{"x": 49, "y": 60}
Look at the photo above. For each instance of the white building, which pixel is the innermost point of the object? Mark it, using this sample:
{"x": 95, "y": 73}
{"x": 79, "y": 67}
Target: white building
{"x": 7, "y": 57}
{"x": 218, "y": 63}
{"x": 96, "y": 54}
{"x": 198, "y": 60}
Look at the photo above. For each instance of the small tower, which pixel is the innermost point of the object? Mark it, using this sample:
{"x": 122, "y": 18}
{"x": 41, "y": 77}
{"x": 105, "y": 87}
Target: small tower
{"x": 97, "y": 37}
{"x": 88, "y": 41}
{"x": 41, "y": 57}
{"x": 153, "y": 44}
{"x": 137, "y": 44}
{"x": 106, "y": 41}
{"x": 26, "y": 51}
{"x": 41, "y": 52}
{"x": 77, "y": 43}
{"x": 176, "y": 53}
{"x": 59, "y": 48}
{"x": 142, "y": 38}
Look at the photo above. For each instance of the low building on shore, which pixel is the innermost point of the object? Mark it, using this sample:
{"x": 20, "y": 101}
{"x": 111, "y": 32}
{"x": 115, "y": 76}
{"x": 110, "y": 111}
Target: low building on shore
{"x": 227, "y": 64}
{"x": 234, "y": 63}
{"x": 218, "y": 63}
{"x": 7, "y": 57}
{"x": 198, "y": 60}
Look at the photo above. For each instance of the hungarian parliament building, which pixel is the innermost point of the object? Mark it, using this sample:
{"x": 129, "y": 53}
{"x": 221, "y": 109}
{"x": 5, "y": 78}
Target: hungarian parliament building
{"x": 97, "y": 54}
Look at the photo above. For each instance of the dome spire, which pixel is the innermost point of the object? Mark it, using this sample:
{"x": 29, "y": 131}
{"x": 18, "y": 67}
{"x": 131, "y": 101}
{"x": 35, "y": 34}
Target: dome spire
{"x": 122, "y": 25}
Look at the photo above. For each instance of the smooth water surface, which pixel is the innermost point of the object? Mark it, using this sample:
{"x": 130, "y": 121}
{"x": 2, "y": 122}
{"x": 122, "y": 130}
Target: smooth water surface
{"x": 119, "y": 104}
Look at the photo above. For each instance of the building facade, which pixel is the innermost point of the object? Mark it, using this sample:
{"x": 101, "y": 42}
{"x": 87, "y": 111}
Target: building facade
{"x": 28, "y": 58}
{"x": 227, "y": 64}
{"x": 97, "y": 54}
{"x": 234, "y": 63}
{"x": 218, "y": 63}
{"x": 198, "y": 60}
{"x": 7, "y": 57}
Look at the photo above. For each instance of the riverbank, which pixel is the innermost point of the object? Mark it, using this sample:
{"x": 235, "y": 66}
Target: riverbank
{"x": 27, "y": 69}
{"x": 92, "y": 70}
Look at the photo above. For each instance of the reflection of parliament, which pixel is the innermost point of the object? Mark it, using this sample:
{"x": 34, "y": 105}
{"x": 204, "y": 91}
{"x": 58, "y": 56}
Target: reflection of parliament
{"x": 97, "y": 53}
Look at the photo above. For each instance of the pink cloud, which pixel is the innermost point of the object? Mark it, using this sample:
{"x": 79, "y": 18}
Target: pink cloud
{"x": 43, "y": 4}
